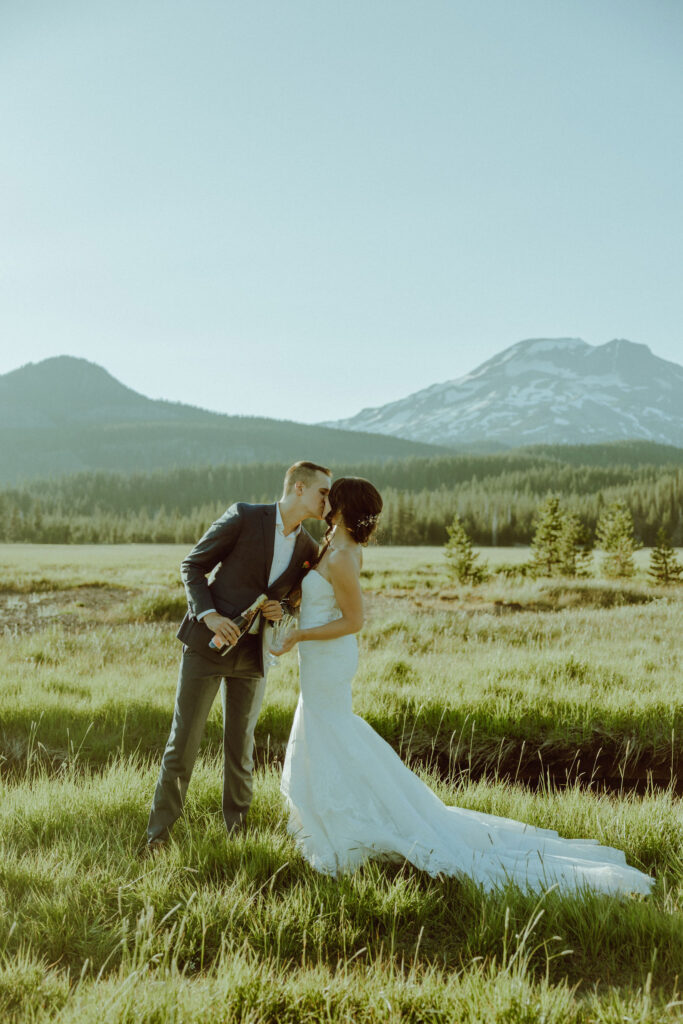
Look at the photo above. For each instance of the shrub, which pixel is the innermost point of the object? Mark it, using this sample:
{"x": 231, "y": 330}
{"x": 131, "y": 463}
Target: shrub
{"x": 158, "y": 606}
{"x": 664, "y": 566}
{"x": 462, "y": 560}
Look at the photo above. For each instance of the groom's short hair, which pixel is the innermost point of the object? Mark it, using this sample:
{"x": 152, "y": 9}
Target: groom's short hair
{"x": 304, "y": 471}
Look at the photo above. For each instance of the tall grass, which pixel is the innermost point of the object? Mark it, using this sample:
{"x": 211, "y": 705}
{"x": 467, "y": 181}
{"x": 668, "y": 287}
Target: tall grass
{"x": 245, "y": 930}
{"x": 74, "y": 892}
{"x": 594, "y": 690}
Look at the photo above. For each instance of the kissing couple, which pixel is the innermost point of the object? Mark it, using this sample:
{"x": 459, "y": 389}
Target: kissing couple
{"x": 349, "y": 795}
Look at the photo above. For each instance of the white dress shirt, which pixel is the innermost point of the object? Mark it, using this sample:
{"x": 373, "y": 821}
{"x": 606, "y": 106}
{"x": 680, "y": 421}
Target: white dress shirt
{"x": 283, "y": 549}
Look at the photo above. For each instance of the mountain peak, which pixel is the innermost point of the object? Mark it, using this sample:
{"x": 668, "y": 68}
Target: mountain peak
{"x": 65, "y": 389}
{"x": 550, "y": 390}
{"x": 626, "y": 344}
{"x": 546, "y": 345}
{"x": 533, "y": 348}
{"x": 624, "y": 347}
{"x": 66, "y": 372}
{"x": 66, "y": 415}
{"x": 52, "y": 364}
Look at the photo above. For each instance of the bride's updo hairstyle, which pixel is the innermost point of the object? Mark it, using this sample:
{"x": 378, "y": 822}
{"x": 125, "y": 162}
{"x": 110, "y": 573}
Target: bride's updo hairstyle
{"x": 360, "y": 504}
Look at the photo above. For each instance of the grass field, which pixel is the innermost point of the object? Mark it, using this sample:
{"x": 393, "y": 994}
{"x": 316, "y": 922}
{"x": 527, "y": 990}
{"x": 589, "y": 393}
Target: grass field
{"x": 558, "y": 703}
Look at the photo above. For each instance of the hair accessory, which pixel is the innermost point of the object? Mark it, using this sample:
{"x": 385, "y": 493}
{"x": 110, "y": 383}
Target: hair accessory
{"x": 369, "y": 520}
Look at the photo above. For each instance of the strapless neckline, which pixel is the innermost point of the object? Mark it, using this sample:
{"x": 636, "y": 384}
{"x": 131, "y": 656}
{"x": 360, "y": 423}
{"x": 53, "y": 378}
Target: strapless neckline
{"x": 322, "y": 577}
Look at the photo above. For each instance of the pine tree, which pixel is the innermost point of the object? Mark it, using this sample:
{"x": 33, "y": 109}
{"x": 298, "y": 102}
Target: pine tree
{"x": 461, "y": 558}
{"x": 614, "y": 535}
{"x": 575, "y": 548}
{"x": 560, "y": 546}
{"x": 664, "y": 566}
{"x": 547, "y": 556}
{"x": 15, "y": 526}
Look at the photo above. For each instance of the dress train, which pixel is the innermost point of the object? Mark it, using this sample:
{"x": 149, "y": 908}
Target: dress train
{"x": 351, "y": 797}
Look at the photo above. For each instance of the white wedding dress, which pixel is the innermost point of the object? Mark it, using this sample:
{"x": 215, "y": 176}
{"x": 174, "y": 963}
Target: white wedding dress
{"x": 350, "y": 797}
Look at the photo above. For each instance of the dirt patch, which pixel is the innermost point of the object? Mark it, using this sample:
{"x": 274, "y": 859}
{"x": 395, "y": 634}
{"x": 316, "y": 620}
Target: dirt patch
{"x": 550, "y": 599}
{"x": 597, "y": 776}
{"x": 75, "y": 609}
{"x": 593, "y": 770}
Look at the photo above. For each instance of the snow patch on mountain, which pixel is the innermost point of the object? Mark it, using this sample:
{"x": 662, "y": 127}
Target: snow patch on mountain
{"x": 555, "y": 390}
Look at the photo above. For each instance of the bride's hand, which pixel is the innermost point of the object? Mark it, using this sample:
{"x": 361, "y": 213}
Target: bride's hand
{"x": 288, "y": 642}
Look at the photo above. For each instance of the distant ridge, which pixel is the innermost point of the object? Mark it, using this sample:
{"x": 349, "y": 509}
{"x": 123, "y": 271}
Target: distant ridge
{"x": 67, "y": 415}
{"x": 66, "y": 389}
{"x": 543, "y": 391}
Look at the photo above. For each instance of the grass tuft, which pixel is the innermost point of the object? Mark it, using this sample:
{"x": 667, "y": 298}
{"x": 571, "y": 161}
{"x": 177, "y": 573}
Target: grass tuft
{"x": 158, "y": 606}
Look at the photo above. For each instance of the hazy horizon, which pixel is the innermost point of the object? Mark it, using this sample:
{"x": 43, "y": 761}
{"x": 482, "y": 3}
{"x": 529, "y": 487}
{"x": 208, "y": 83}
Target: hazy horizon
{"x": 257, "y": 413}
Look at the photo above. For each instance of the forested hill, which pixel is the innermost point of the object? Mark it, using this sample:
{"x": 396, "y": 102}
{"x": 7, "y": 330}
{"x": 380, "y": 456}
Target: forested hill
{"x": 495, "y": 495}
{"x": 616, "y": 453}
{"x": 66, "y": 415}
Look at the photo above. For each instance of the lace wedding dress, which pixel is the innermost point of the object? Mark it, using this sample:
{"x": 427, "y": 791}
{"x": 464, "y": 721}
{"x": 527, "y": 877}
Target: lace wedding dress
{"x": 351, "y": 797}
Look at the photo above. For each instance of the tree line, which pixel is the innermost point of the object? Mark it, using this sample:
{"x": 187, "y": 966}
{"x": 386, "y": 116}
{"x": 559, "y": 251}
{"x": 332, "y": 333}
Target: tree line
{"x": 496, "y": 497}
{"x": 561, "y": 547}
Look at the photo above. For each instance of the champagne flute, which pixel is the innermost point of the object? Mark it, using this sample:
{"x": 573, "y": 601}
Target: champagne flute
{"x": 279, "y": 631}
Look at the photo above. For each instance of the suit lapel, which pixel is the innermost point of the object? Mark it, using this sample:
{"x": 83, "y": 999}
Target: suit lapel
{"x": 296, "y": 561}
{"x": 299, "y": 549}
{"x": 268, "y": 524}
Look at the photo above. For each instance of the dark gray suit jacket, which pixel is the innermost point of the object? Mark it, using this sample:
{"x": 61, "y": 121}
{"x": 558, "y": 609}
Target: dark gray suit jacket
{"x": 238, "y": 551}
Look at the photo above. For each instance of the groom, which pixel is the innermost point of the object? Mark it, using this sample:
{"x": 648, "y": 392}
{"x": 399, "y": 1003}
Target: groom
{"x": 251, "y": 549}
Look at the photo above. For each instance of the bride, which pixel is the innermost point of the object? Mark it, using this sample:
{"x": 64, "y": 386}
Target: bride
{"x": 350, "y": 796}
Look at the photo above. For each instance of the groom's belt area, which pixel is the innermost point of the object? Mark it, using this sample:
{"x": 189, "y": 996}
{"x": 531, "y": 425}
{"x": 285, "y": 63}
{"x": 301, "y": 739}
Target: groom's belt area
{"x": 246, "y": 659}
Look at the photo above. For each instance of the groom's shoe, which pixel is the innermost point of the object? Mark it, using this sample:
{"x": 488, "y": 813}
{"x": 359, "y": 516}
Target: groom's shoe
{"x": 237, "y": 828}
{"x": 154, "y": 847}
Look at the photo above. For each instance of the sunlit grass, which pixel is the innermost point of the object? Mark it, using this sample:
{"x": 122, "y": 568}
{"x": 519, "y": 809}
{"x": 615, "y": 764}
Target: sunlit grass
{"x": 149, "y": 565}
{"x": 470, "y": 691}
{"x": 245, "y": 930}
{"x": 73, "y": 889}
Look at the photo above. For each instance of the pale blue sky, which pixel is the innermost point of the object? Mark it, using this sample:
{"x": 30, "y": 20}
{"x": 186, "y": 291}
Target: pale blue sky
{"x": 299, "y": 209}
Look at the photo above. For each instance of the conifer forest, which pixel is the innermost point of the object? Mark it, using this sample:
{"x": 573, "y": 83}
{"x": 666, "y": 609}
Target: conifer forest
{"x": 496, "y": 497}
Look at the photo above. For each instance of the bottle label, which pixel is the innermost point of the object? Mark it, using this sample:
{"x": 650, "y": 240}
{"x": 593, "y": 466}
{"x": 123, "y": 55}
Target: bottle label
{"x": 242, "y": 622}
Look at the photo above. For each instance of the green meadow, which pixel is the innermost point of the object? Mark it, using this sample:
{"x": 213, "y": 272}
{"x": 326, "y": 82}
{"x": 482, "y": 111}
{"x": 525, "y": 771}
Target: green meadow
{"x": 556, "y": 702}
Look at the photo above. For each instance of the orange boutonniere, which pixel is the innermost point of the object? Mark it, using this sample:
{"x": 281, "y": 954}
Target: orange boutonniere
{"x": 306, "y": 565}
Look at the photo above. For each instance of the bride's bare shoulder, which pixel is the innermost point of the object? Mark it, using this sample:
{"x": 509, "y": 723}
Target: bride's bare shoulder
{"x": 344, "y": 562}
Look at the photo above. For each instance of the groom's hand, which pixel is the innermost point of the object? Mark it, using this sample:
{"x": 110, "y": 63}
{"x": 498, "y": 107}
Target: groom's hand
{"x": 272, "y": 610}
{"x": 222, "y": 627}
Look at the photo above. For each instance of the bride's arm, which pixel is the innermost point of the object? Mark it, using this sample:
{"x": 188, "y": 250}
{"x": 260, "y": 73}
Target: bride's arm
{"x": 344, "y": 577}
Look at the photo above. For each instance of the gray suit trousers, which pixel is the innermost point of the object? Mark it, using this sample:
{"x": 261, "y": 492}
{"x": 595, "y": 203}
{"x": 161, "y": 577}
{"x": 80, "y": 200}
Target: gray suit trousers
{"x": 198, "y": 683}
